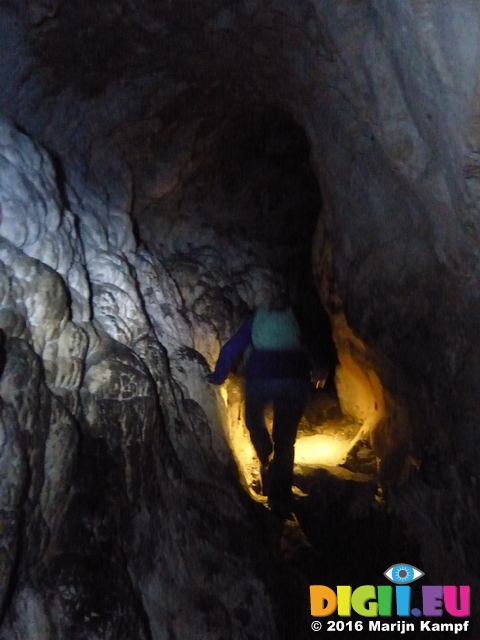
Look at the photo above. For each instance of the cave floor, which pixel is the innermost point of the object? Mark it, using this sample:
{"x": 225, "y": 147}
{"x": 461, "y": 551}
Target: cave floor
{"x": 333, "y": 547}
{"x": 324, "y": 441}
{"x": 338, "y": 548}
{"x": 342, "y": 532}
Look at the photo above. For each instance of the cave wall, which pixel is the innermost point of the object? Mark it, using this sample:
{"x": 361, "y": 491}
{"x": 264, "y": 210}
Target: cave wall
{"x": 121, "y": 509}
{"x": 388, "y": 98}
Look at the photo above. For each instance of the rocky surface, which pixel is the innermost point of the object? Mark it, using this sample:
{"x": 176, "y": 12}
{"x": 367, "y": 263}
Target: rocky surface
{"x": 120, "y": 495}
{"x": 134, "y": 216}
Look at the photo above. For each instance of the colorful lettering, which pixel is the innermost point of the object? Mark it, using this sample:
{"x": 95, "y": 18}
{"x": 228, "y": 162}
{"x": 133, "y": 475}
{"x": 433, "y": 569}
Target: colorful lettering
{"x": 370, "y": 601}
{"x": 344, "y": 600}
{"x": 360, "y": 597}
{"x": 402, "y": 595}
{"x": 432, "y": 601}
{"x": 450, "y": 599}
{"x": 323, "y": 601}
{"x": 384, "y": 600}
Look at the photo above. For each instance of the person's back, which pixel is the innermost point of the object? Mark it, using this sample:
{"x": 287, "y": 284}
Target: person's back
{"x": 275, "y": 329}
{"x": 276, "y": 349}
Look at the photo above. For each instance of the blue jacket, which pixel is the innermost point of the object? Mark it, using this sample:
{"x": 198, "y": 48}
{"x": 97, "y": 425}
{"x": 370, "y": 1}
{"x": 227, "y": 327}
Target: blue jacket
{"x": 261, "y": 363}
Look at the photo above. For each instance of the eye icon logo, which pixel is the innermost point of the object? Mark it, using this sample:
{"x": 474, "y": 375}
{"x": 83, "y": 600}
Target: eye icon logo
{"x": 403, "y": 573}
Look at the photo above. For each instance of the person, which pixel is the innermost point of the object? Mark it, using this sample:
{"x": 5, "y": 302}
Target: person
{"x": 277, "y": 371}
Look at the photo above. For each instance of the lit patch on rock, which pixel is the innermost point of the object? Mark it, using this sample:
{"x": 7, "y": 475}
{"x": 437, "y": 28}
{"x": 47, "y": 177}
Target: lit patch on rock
{"x": 321, "y": 450}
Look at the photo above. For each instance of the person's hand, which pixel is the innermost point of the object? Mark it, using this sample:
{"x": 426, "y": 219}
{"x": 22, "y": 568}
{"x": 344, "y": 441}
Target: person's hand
{"x": 319, "y": 377}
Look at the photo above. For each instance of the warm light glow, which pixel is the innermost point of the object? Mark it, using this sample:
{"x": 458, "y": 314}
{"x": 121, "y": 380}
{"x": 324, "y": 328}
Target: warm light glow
{"x": 358, "y": 386}
{"x": 224, "y": 393}
{"x": 320, "y": 450}
{"x": 311, "y": 450}
{"x": 238, "y": 436}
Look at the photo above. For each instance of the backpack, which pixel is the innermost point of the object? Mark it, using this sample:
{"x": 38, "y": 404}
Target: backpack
{"x": 275, "y": 330}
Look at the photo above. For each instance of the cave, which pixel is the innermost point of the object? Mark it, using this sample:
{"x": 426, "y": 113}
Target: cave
{"x": 164, "y": 168}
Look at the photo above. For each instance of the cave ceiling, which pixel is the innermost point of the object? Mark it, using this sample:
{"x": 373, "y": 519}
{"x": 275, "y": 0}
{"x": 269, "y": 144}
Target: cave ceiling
{"x": 157, "y": 161}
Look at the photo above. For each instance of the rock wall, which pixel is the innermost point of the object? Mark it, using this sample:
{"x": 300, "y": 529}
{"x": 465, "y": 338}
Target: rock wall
{"x": 121, "y": 510}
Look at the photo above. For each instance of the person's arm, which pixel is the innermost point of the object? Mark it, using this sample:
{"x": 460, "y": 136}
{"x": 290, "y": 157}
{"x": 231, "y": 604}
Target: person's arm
{"x": 231, "y": 352}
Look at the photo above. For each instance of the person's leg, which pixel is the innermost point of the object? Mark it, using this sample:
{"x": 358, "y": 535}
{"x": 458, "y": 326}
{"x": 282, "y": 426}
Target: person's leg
{"x": 289, "y": 401}
{"x": 256, "y": 399}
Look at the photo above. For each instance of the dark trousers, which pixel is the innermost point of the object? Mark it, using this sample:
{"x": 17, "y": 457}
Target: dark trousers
{"x": 289, "y": 397}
